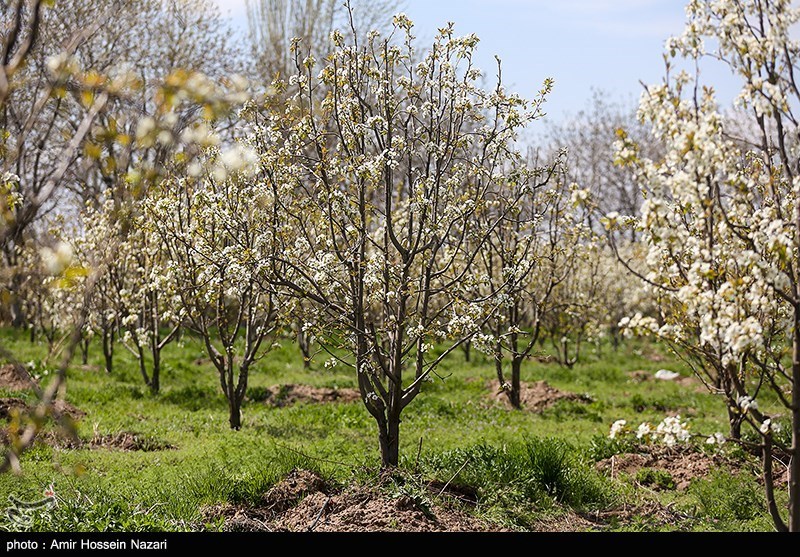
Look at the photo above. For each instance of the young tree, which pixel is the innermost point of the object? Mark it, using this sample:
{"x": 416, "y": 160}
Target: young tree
{"x": 220, "y": 238}
{"x": 132, "y": 298}
{"x": 529, "y": 251}
{"x": 722, "y": 223}
{"x": 573, "y": 315}
{"x": 379, "y": 184}
{"x": 64, "y": 109}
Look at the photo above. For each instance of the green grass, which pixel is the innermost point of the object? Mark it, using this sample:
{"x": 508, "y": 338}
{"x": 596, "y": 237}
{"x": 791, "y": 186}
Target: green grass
{"x": 522, "y": 466}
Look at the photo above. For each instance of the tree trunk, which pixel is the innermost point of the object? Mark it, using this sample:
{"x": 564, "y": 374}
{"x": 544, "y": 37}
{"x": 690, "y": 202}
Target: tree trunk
{"x": 235, "y": 411}
{"x": 516, "y": 386}
{"x": 467, "y": 346}
{"x": 84, "y": 351}
{"x": 305, "y": 347}
{"x": 108, "y": 349}
{"x": 794, "y": 465}
{"x": 615, "y": 338}
{"x": 389, "y": 437}
{"x": 735, "y": 421}
{"x": 766, "y": 454}
{"x": 18, "y": 317}
{"x": 155, "y": 381}
{"x": 143, "y": 365}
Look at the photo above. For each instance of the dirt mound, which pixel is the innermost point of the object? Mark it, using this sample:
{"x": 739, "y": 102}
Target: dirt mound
{"x": 15, "y": 378}
{"x": 58, "y": 437}
{"x": 121, "y": 441}
{"x": 369, "y": 511}
{"x": 287, "y": 395}
{"x": 303, "y": 502}
{"x": 536, "y": 396}
{"x": 567, "y": 522}
{"x": 655, "y": 513}
{"x": 62, "y": 407}
{"x": 653, "y": 356}
{"x": 640, "y": 375}
{"x": 9, "y": 405}
{"x": 127, "y": 441}
{"x": 292, "y": 489}
{"x": 682, "y": 464}
{"x": 66, "y": 438}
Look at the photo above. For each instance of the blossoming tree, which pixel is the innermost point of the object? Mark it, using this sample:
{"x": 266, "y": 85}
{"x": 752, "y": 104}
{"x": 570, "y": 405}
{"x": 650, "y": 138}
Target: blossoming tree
{"x": 530, "y": 250}
{"x": 378, "y": 185}
{"x": 219, "y": 236}
{"x": 96, "y": 140}
{"x": 722, "y": 224}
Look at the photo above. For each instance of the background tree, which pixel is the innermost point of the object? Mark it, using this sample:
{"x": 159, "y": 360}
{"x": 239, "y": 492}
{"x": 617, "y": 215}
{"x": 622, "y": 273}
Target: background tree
{"x": 528, "y": 252}
{"x": 588, "y": 137}
{"x": 218, "y": 233}
{"x": 62, "y": 128}
{"x": 273, "y": 24}
{"x": 178, "y": 92}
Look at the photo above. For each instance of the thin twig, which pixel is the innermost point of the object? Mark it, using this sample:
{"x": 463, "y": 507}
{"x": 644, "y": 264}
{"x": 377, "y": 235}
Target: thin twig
{"x": 319, "y": 514}
{"x": 419, "y": 452}
{"x": 454, "y": 475}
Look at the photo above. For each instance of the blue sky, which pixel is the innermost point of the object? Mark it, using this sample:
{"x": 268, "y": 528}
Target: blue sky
{"x": 605, "y": 44}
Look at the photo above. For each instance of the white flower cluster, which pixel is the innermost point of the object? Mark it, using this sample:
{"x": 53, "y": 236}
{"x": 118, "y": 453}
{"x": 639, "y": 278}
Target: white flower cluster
{"x": 620, "y": 427}
{"x": 746, "y": 403}
{"x": 716, "y": 439}
{"x": 670, "y": 431}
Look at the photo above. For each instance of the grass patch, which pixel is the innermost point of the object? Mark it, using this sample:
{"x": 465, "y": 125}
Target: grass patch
{"x": 512, "y": 467}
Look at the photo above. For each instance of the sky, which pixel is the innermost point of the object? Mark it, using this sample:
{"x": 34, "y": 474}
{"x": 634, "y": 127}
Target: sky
{"x": 606, "y": 45}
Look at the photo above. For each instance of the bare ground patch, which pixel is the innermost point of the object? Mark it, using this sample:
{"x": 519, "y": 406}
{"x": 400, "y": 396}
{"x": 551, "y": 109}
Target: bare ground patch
{"x": 682, "y": 464}
{"x": 535, "y": 396}
{"x": 66, "y": 438}
{"x": 303, "y": 502}
{"x": 15, "y": 378}
{"x": 61, "y": 407}
{"x": 127, "y": 441}
{"x": 287, "y": 395}
{"x": 10, "y": 405}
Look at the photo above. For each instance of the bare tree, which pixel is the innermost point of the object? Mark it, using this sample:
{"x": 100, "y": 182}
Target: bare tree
{"x": 589, "y": 139}
{"x": 273, "y": 24}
